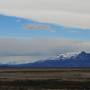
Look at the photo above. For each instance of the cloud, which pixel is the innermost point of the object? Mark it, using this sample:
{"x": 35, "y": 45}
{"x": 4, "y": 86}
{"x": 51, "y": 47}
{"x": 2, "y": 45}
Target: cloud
{"x": 19, "y": 59}
{"x": 37, "y": 45}
{"x": 74, "y": 13}
{"x": 36, "y": 27}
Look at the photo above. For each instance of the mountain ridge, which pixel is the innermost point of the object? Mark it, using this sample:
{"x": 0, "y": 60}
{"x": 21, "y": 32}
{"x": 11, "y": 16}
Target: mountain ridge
{"x": 80, "y": 60}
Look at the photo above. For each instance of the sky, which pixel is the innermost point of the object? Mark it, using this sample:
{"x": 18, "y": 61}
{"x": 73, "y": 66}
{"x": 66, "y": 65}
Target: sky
{"x": 32, "y": 30}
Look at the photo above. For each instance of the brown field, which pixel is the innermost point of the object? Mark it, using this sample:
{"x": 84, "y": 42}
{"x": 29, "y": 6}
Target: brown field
{"x": 42, "y": 79}
{"x": 30, "y": 74}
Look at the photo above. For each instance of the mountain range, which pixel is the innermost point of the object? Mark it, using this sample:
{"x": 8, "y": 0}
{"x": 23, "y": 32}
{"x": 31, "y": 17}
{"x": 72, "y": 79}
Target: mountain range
{"x": 80, "y": 60}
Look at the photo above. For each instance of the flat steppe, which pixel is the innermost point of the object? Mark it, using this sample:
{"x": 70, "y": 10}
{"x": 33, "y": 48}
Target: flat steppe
{"x": 45, "y": 73}
{"x": 44, "y": 78}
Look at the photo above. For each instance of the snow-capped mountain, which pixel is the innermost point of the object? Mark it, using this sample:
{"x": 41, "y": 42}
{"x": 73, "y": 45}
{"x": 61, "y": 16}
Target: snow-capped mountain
{"x": 80, "y": 60}
{"x": 66, "y": 55}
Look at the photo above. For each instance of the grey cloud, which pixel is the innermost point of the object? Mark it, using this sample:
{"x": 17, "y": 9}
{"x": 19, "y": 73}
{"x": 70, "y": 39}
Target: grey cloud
{"x": 66, "y": 5}
{"x": 40, "y": 45}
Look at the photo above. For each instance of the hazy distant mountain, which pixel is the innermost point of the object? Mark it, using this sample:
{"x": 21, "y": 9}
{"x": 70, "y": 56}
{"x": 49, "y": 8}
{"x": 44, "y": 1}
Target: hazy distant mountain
{"x": 80, "y": 60}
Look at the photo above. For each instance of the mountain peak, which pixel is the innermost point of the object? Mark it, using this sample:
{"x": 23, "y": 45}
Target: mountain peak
{"x": 83, "y": 53}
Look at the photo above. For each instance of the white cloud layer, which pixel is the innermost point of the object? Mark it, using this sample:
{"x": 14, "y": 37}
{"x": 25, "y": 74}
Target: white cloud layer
{"x": 66, "y": 12}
